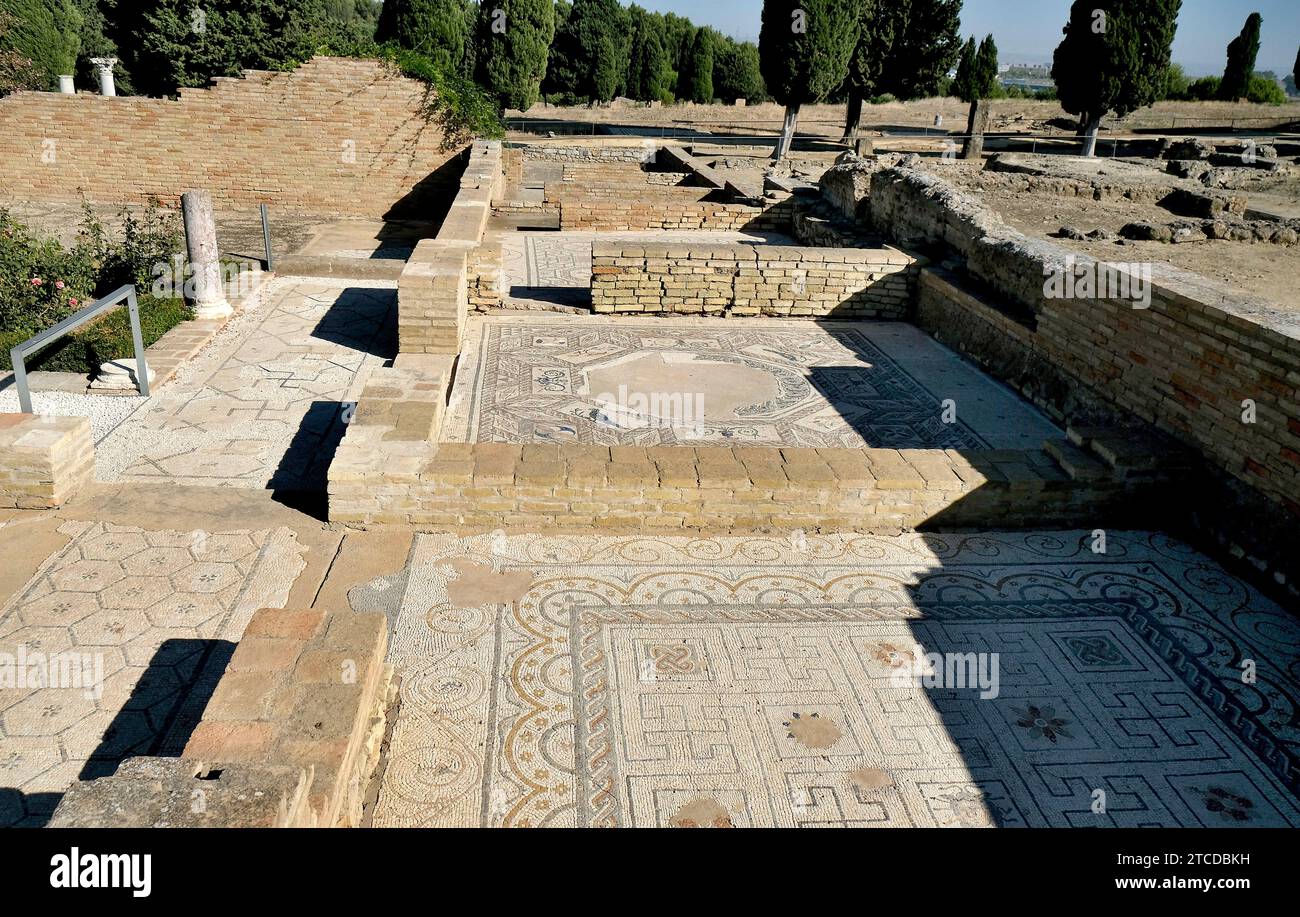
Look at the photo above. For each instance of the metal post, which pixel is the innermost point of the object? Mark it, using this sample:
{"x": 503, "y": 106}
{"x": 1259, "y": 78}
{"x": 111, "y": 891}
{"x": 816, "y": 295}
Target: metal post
{"x": 141, "y": 368}
{"x": 266, "y": 237}
{"x": 20, "y": 381}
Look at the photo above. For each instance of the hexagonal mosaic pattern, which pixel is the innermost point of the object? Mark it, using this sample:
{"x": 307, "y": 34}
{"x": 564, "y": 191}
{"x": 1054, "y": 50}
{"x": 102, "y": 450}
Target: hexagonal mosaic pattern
{"x": 142, "y": 623}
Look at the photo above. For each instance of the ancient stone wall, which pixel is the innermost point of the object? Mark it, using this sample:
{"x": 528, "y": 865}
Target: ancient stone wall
{"x": 44, "y": 460}
{"x": 745, "y": 489}
{"x": 336, "y": 135}
{"x": 746, "y": 279}
{"x": 1214, "y": 368}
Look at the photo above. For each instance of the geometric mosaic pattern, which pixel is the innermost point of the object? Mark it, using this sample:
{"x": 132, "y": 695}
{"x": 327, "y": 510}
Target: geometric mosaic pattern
{"x": 264, "y": 404}
{"x": 758, "y": 382}
{"x": 751, "y": 681}
{"x": 158, "y": 613}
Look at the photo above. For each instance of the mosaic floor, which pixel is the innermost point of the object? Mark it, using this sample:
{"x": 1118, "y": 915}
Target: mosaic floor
{"x": 150, "y": 617}
{"x": 755, "y": 681}
{"x": 554, "y": 268}
{"x": 262, "y": 405}
{"x": 756, "y": 381}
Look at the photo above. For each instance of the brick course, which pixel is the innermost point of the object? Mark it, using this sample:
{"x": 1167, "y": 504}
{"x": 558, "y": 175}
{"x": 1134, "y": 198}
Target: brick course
{"x": 746, "y": 279}
{"x": 279, "y": 138}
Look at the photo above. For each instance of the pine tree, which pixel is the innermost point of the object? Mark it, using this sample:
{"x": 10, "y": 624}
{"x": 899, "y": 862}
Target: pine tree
{"x": 881, "y": 21}
{"x": 512, "y": 43}
{"x": 1242, "y": 52}
{"x": 1114, "y": 57}
{"x": 804, "y": 48}
{"x": 924, "y": 48}
{"x": 699, "y": 68}
{"x": 963, "y": 84}
{"x": 435, "y": 28}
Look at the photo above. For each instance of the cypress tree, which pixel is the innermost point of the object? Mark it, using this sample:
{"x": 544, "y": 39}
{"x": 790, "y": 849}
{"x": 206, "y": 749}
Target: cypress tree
{"x": 881, "y": 21}
{"x": 648, "y": 67}
{"x": 963, "y": 84}
{"x": 925, "y": 47}
{"x": 1242, "y": 52}
{"x": 45, "y": 32}
{"x": 736, "y": 72}
{"x": 804, "y": 49}
{"x": 699, "y": 68}
{"x": 435, "y": 28}
{"x": 1114, "y": 57}
{"x": 512, "y": 44}
{"x": 587, "y": 59}
{"x": 984, "y": 72}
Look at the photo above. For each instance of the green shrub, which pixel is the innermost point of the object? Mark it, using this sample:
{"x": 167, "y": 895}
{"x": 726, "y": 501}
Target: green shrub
{"x": 40, "y": 281}
{"x": 106, "y": 338}
{"x": 1265, "y": 91}
{"x": 1204, "y": 89}
{"x": 155, "y": 236}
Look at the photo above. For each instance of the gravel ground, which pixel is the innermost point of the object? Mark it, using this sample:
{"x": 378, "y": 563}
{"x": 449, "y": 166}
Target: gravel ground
{"x": 106, "y": 412}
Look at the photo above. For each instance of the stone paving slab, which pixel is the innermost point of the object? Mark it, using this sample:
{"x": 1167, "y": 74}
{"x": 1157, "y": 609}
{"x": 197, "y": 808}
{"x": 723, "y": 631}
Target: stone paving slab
{"x": 263, "y": 405}
{"x": 648, "y": 681}
{"x": 533, "y": 379}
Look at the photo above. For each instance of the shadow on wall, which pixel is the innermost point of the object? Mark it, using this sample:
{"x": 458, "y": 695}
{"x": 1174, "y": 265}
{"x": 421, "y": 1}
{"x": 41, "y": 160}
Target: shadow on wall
{"x": 432, "y": 195}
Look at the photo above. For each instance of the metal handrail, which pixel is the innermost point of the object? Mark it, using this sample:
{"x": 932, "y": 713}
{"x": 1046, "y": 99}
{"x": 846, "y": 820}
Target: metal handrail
{"x": 75, "y": 320}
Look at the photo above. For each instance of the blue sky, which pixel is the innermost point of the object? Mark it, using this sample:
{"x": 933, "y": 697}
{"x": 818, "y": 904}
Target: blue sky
{"x": 1029, "y": 30}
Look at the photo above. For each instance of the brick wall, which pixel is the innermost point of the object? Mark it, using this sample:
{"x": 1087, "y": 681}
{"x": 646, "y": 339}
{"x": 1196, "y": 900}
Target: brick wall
{"x": 336, "y": 135}
{"x": 44, "y": 460}
{"x": 1188, "y": 365}
{"x": 434, "y": 289}
{"x": 636, "y": 209}
{"x": 747, "y": 279}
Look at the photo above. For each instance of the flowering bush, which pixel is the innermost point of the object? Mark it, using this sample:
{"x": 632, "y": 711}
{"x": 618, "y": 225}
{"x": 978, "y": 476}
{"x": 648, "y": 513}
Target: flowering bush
{"x": 39, "y": 278}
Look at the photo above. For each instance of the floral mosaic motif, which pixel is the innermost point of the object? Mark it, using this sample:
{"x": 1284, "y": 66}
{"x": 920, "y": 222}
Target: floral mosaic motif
{"x": 961, "y": 807}
{"x": 1042, "y": 722}
{"x": 891, "y": 655}
{"x": 812, "y": 731}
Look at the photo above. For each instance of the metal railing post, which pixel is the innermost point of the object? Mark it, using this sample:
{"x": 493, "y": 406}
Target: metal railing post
{"x": 266, "y": 237}
{"x": 137, "y": 338}
{"x": 75, "y": 320}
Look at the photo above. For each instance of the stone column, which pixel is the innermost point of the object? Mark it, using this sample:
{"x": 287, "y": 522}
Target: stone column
{"x": 205, "y": 262}
{"x": 104, "y": 66}
{"x": 976, "y": 125}
{"x": 66, "y": 85}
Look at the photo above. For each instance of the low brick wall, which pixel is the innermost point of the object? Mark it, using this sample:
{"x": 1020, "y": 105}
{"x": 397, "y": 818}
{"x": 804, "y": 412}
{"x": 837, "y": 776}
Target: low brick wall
{"x": 751, "y": 489}
{"x": 633, "y": 210}
{"x": 747, "y": 279}
{"x": 335, "y": 135}
{"x": 433, "y": 291}
{"x": 290, "y": 737}
{"x": 44, "y": 460}
{"x": 1215, "y": 368}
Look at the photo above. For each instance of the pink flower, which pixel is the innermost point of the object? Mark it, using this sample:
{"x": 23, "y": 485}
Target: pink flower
{"x": 58, "y": 284}
{"x": 72, "y": 301}
{"x": 36, "y": 281}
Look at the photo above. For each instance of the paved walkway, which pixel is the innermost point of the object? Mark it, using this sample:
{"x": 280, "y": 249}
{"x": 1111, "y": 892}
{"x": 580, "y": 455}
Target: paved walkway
{"x": 263, "y": 405}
